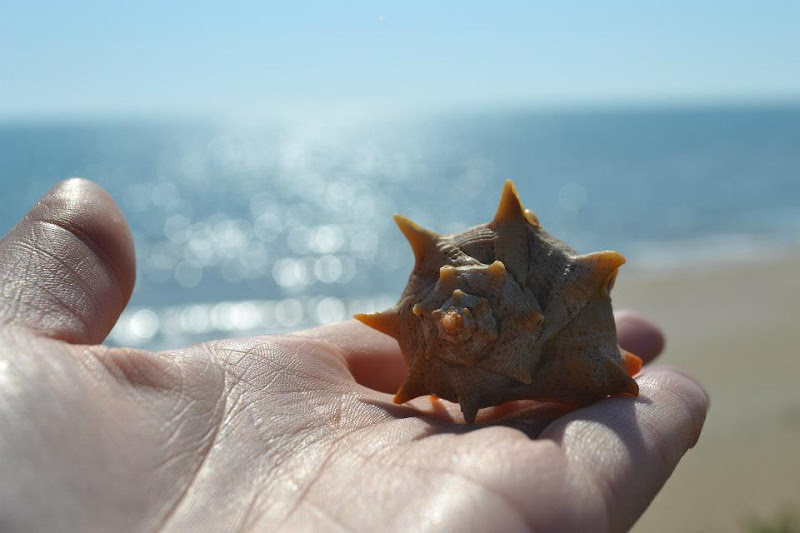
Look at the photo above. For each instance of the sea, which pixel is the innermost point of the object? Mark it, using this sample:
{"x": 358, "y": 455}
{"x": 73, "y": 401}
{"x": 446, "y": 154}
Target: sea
{"x": 265, "y": 226}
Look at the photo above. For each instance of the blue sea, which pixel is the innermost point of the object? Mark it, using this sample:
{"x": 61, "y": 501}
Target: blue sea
{"x": 244, "y": 229}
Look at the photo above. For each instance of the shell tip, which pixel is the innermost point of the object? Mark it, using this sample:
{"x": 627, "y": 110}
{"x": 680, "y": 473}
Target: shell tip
{"x": 422, "y": 241}
{"x": 602, "y": 268}
{"x": 510, "y": 208}
{"x": 630, "y": 362}
{"x": 470, "y": 412}
{"x": 447, "y": 273}
{"x": 497, "y": 270}
{"x": 458, "y": 294}
{"x": 410, "y": 389}
{"x": 385, "y": 322}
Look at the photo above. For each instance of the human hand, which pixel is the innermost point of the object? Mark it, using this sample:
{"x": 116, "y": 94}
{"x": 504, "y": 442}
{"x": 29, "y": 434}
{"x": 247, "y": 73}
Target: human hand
{"x": 291, "y": 432}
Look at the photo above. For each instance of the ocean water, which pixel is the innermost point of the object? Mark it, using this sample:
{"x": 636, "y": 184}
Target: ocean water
{"x": 256, "y": 229}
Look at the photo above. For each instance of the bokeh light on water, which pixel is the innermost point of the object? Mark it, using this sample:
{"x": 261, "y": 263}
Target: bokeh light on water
{"x": 285, "y": 229}
{"x": 243, "y": 230}
{"x": 176, "y": 325}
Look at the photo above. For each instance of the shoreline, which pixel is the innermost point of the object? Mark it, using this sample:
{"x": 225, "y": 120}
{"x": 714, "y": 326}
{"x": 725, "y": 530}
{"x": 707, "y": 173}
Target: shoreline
{"x": 653, "y": 260}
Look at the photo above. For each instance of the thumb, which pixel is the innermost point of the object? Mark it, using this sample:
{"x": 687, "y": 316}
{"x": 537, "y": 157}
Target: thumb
{"x": 68, "y": 268}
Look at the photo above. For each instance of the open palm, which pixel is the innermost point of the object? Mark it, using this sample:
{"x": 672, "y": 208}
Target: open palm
{"x": 291, "y": 432}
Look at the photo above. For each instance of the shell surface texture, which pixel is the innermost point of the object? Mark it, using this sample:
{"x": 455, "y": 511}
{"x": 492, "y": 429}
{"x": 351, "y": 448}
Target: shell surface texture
{"x": 504, "y": 311}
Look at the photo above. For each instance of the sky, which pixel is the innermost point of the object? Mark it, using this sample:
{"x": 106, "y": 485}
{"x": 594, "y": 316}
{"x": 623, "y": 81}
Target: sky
{"x": 103, "y": 58}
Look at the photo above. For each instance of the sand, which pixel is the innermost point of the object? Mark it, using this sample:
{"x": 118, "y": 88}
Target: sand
{"x": 735, "y": 327}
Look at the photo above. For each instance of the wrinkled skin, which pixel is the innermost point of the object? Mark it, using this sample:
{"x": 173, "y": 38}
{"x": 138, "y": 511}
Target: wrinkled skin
{"x": 293, "y": 432}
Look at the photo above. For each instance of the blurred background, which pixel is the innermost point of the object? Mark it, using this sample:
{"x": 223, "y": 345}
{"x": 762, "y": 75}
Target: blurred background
{"x": 259, "y": 150}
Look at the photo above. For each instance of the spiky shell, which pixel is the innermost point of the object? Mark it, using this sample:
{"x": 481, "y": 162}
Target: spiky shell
{"x": 504, "y": 311}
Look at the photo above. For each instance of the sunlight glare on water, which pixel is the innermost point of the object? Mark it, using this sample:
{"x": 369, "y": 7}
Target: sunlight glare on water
{"x": 247, "y": 230}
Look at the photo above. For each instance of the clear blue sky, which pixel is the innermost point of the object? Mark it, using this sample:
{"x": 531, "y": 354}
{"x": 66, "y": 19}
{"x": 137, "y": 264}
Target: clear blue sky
{"x": 113, "y": 57}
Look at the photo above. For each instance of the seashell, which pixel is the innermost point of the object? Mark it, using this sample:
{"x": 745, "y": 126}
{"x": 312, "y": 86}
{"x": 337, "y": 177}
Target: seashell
{"x": 505, "y": 311}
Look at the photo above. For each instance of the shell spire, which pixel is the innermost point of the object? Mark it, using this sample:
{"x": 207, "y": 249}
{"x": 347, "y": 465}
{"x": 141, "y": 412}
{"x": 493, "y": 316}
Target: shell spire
{"x": 413, "y": 387}
{"x": 469, "y": 408}
{"x": 424, "y": 243}
{"x": 602, "y": 267}
{"x": 386, "y": 321}
{"x": 467, "y": 400}
{"x": 510, "y": 208}
{"x": 630, "y": 362}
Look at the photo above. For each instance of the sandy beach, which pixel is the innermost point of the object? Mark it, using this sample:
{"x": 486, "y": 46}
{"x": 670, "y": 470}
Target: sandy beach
{"x": 733, "y": 326}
